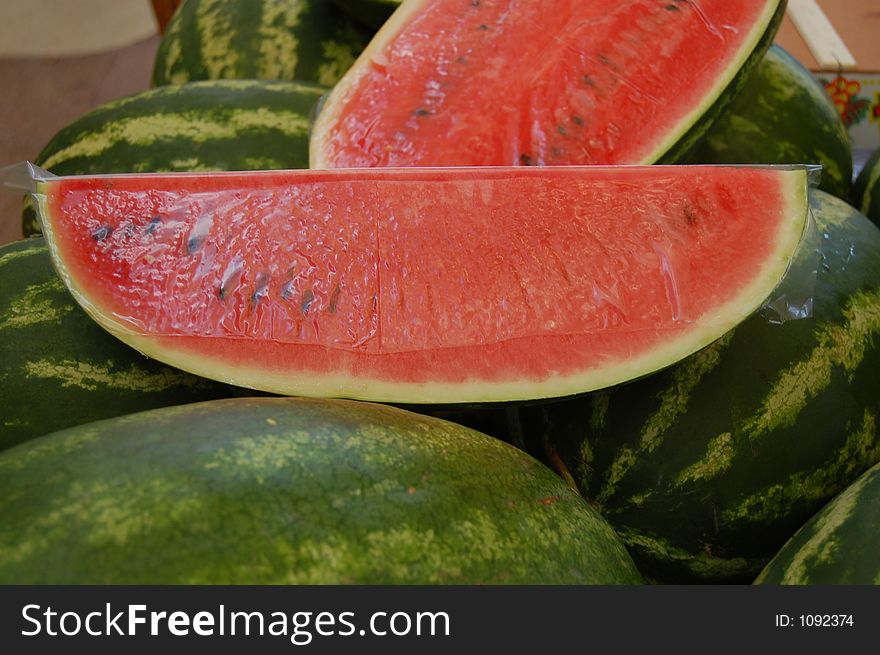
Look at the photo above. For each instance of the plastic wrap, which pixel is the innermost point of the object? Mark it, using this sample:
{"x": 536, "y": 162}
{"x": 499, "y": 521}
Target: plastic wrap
{"x": 362, "y": 269}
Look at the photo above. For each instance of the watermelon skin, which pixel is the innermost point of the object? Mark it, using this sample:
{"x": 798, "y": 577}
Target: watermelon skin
{"x": 201, "y": 126}
{"x": 781, "y": 116}
{"x": 592, "y": 98}
{"x": 866, "y": 189}
{"x": 293, "y": 491}
{"x": 839, "y": 545}
{"x": 708, "y": 467}
{"x": 58, "y": 368}
{"x": 305, "y": 40}
{"x": 280, "y": 281}
{"x": 369, "y": 12}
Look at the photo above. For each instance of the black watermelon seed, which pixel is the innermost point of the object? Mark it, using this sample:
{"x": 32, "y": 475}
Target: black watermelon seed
{"x": 334, "y": 299}
{"x": 689, "y": 216}
{"x": 577, "y": 120}
{"x": 484, "y": 27}
{"x": 589, "y": 80}
{"x": 561, "y": 130}
{"x": 155, "y": 222}
{"x": 102, "y": 233}
{"x": 525, "y": 159}
{"x": 421, "y": 111}
{"x": 671, "y": 8}
{"x": 306, "y": 302}
{"x": 194, "y": 243}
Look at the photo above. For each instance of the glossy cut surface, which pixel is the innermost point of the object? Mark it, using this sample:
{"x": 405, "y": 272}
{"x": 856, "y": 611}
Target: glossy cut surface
{"x": 505, "y": 82}
{"x": 427, "y": 282}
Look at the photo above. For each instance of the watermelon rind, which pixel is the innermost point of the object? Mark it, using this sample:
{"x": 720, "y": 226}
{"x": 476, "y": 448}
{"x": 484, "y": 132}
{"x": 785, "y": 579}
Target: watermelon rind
{"x": 293, "y": 491}
{"x": 305, "y": 40}
{"x": 59, "y": 368}
{"x": 781, "y": 116}
{"x": 707, "y": 468}
{"x": 202, "y": 126}
{"x": 369, "y": 12}
{"x": 866, "y": 188}
{"x": 840, "y": 545}
{"x": 671, "y": 148}
{"x": 702, "y": 331}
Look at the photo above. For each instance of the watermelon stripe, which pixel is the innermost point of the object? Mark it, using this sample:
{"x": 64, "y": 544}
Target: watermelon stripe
{"x": 838, "y": 346}
{"x": 839, "y": 545}
{"x": 308, "y": 40}
{"x": 35, "y": 305}
{"x": 803, "y": 487}
{"x": 720, "y": 455}
{"x": 673, "y": 403}
{"x": 821, "y": 542}
{"x": 90, "y": 377}
{"x": 193, "y": 127}
{"x": 645, "y": 546}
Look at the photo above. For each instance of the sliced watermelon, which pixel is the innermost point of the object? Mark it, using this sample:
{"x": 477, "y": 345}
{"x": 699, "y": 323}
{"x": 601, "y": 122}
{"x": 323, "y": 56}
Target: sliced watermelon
{"x": 425, "y": 285}
{"x": 458, "y": 83}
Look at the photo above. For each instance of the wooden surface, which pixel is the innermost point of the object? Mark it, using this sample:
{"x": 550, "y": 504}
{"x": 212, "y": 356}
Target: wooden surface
{"x": 857, "y": 22}
{"x": 40, "y": 96}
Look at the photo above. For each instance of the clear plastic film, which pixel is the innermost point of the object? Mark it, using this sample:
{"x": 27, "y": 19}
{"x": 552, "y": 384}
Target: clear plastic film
{"x": 402, "y": 260}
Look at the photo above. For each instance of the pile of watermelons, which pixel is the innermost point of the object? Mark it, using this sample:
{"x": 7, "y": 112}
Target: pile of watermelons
{"x": 698, "y": 473}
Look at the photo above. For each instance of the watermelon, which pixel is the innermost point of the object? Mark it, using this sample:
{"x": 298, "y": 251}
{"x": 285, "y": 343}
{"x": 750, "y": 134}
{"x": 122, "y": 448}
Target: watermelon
{"x": 369, "y": 12}
{"x": 425, "y": 285}
{"x": 452, "y": 82}
{"x": 292, "y": 491}
{"x": 782, "y": 116}
{"x": 840, "y": 545}
{"x": 306, "y": 40}
{"x": 866, "y": 190}
{"x": 202, "y": 126}
{"x": 58, "y": 368}
{"x": 707, "y": 468}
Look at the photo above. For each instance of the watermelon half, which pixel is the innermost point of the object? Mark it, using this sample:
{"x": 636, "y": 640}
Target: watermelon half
{"x": 425, "y": 285}
{"x": 499, "y": 82}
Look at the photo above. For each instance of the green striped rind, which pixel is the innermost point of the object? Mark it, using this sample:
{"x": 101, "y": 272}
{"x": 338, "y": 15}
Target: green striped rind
{"x": 866, "y": 190}
{"x": 292, "y": 491}
{"x": 840, "y": 545}
{"x": 202, "y": 126}
{"x": 781, "y": 116}
{"x": 58, "y": 368}
{"x": 708, "y": 467}
{"x": 679, "y": 152}
{"x": 369, "y": 12}
{"x": 308, "y": 40}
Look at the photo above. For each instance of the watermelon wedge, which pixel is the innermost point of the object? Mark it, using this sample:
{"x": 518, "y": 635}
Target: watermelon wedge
{"x": 425, "y": 285}
{"x": 505, "y": 82}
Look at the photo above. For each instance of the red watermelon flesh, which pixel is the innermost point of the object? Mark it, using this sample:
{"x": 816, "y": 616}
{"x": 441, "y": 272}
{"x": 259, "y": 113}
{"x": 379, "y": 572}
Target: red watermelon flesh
{"x": 425, "y": 285}
{"x": 512, "y": 82}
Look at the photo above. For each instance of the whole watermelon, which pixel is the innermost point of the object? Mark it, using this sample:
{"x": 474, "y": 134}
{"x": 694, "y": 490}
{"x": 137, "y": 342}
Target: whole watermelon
{"x": 708, "y": 467}
{"x": 202, "y": 126}
{"x": 293, "y": 491}
{"x": 307, "y": 40}
{"x": 781, "y": 116}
